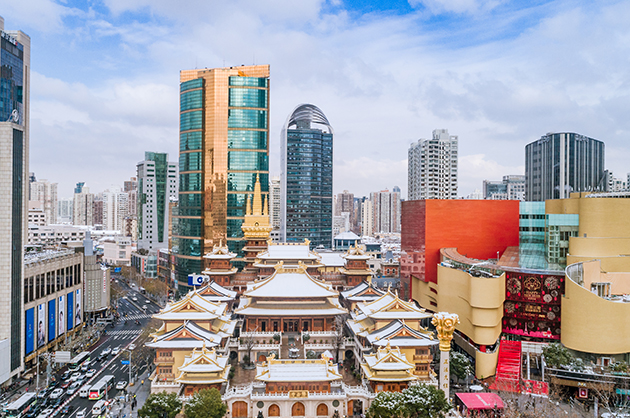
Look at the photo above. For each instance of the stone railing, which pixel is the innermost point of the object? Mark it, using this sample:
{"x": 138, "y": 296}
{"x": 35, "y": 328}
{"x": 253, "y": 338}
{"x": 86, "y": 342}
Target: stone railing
{"x": 357, "y": 391}
{"x": 266, "y": 334}
{"x": 318, "y": 346}
{"x": 261, "y": 346}
{"x": 285, "y": 395}
{"x": 238, "y": 391}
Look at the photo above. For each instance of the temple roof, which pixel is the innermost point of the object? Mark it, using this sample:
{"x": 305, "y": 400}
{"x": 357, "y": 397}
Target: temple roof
{"x": 364, "y": 291}
{"x": 389, "y": 306}
{"x": 388, "y": 365}
{"x": 290, "y": 283}
{"x": 328, "y": 307}
{"x": 400, "y": 334}
{"x": 356, "y": 252}
{"x": 188, "y": 335}
{"x": 192, "y": 307}
{"x": 285, "y": 251}
{"x": 332, "y": 259}
{"x": 216, "y": 293}
{"x": 203, "y": 366}
{"x": 220, "y": 252}
{"x": 318, "y": 370}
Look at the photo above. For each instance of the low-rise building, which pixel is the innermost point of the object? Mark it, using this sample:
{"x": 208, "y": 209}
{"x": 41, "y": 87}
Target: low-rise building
{"x": 117, "y": 251}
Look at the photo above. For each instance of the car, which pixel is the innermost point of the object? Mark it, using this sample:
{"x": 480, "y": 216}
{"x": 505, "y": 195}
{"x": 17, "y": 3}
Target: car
{"x": 106, "y": 351}
{"x": 66, "y": 375}
{"x": 65, "y": 384}
{"x": 76, "y": 376}
{"x": 73, "y": 388}
{"x": 90, "y": 373}
{"x": 56, "y": 394}
{"x": 135, "y": 299}
{"x": 121, "y": 385}
{"x": 57, "y": 403}
{"x": 46, "y": 413}
{"x": 66, "y": 410}
{"x": 147, "y": 301}
{"x": 116, "y": 351}
{"x": 81, "y": 413}
{"x": 43, "y": 393}
{"x": 144, "y": 307}
{"x": 30, "y": 414}
{"x": 132, "y": 346}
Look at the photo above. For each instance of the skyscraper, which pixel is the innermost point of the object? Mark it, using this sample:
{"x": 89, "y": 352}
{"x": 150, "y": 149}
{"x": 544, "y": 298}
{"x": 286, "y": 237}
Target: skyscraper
{"x": 14, "y": 142}
{"x": 561, "y": 163}
{"x": 274, "y": 202}
{"x": 385, "y": 208}
{"x": 83, "y": 205}
{"x": 115, "y": 209}
{"x": 306, "y": 156}
{"x": 512, "y": 187}
{"x": 157, "y": 183}
{"x": 224, "y": 131}
{"x": 432, "y": 167}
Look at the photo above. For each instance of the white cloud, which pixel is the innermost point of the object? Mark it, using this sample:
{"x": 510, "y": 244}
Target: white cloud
{"x": 456, "y": 6}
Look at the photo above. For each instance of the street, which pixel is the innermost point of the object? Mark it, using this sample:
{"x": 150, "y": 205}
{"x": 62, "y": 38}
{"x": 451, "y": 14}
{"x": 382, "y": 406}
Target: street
{"x": 121, "y": 336}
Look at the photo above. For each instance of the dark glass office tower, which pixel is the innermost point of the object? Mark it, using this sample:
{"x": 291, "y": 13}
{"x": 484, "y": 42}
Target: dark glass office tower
{"x": 307, "y": 177}
{"x": 561, "y": 163}
{"x": 223, "y": 146}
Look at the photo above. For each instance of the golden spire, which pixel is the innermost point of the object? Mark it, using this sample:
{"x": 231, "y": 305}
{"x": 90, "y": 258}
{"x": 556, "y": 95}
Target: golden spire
{"x": 257, "y": 207}
{"x": 247, "y": 207}
{"x": 265, "y": 207}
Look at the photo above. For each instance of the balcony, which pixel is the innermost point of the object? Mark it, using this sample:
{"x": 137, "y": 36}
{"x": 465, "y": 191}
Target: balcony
{"x": 422, "y": 357}
{"x": 164, "y": 360}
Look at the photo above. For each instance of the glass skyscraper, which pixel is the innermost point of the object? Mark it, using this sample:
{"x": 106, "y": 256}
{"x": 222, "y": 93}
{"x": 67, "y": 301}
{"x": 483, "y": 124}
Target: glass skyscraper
{"x": 307, "y": 177}
{"x": 224, "y": 131}
{"x": 561, "y": 163}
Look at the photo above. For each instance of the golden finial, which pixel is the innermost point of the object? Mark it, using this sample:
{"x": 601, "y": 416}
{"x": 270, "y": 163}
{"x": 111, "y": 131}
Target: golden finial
{"x": 247, "y": 207}
{"x": 370, "y": 280}
{"x": 265, "y": 206}
{"x": 445, "y": 323}
{"x": 279, "y": 266}
{"x": 257, "y": 206}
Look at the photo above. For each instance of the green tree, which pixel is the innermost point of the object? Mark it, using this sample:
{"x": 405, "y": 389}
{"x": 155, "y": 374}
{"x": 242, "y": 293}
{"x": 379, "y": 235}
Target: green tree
{"x": 557, "y": 355}
{"x": 206, "y": 403}
{"x": 387, "y": 405}
{"x": 460, "y": 365}
{"x": 425, "y": 401}
{"x": 158, "y": 404}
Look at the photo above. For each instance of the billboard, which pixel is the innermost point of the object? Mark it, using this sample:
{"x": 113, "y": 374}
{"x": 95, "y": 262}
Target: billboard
{"x": 30, "y": 330}
{"x": 196, "y": 279}
{"x": 61, "y": 317}
{"x": 78, "y": 312}
{"x": 52, "y": 310}
{"x": 70, "y": 310}
{"x": 41, "y": 325}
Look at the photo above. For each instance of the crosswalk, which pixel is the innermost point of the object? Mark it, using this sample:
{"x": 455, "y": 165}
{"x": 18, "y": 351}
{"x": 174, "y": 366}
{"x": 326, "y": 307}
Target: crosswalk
{"x": 133, "y": 317}
{"x": 125, "y": 332}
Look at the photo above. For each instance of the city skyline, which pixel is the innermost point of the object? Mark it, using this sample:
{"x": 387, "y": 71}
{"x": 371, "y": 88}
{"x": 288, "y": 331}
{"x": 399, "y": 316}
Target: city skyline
{"x": 387, "y": 74}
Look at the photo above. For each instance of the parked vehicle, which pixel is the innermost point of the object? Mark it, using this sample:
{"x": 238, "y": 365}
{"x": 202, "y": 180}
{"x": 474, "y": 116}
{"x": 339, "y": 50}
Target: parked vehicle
{"x": 73, "y": 388}
{"x": 121, "y": 385}
{"x": 57, "y": 393}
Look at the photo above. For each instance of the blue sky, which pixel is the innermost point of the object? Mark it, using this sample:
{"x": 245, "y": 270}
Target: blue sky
{"x": 499, "y": 74}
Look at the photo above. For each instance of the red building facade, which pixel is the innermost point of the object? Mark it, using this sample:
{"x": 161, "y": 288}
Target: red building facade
{"x": 477, "y": 228}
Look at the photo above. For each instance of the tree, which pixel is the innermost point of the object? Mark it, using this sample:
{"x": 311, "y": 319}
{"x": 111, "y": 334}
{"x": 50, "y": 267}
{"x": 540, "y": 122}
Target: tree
{"x": 460, "y": 365}
{"x": 338, "y": 339}
{"x": 387, "y": 405}
{"x": 159, "y": 405}
{"x": 425, "y": 401}
{"x": 557, "y": 355}
{"x": 206, "y": 403}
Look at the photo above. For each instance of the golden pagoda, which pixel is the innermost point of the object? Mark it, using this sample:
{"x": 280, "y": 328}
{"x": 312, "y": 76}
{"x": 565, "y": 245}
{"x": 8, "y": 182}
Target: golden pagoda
{"x": 256, "y": 226}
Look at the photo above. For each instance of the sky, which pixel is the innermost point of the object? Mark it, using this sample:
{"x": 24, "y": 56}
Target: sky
{"x": 497, "y": 73}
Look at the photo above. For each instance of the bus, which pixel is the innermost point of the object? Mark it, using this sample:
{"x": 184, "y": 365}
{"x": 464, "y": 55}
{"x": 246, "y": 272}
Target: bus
{"x": 75, "y": 363}
{"x": 21, "y": 406}
{"x": 101, "y": 387}
{"x": 98, "y": 408}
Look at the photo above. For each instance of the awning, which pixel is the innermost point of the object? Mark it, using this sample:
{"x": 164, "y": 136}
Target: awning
{"x": 478, "y": 401}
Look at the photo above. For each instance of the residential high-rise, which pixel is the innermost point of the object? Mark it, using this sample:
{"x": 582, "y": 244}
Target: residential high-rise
{"x": 64, "y": 210}
{"x": 224, "y": 133}
{"x": 157, "y": 185}
{"x": 82, "y": 206}
{"x": 559, "y": 164}
{"x": 131, "y": 188}
{"x": 432, "y": 167}
{"x": 306, "y": 156}
{"x": 45, "y": 193}
{"x": 345, "y": 204}
{"x": 115, "y": 209}
{"x": 274, "y": 202}
{"x": 385, "y": 211}
{"x": 512, "y": 187}
{"x": 367, "y": 228}
{"x": 14, "y": 149}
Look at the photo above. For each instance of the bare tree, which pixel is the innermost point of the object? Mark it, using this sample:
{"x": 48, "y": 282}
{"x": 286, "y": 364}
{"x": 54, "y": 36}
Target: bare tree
{"x": 338, "y": 339}
{"x": 248, "y": 340}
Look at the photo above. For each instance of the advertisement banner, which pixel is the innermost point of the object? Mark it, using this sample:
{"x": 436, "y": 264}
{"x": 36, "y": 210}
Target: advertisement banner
{"x": 52, "y": 311}
{"x": 78, "y": 312}
{"x": 61, "y": 320}
{"x": 70, "y": 297}
{"x": 41, "y": 325}
{"x": 30, "y": 330}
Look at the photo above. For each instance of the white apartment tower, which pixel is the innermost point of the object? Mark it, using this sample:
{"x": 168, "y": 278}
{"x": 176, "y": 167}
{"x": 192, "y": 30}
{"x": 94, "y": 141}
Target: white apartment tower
{"x": 82, "y": 205}
{"x": 115, "y": 209}
{"x": 158, "y": 183}
{"x": 274, "y": 206}
{"x": 432, "y": 171}
{"x": 385, "y": 206}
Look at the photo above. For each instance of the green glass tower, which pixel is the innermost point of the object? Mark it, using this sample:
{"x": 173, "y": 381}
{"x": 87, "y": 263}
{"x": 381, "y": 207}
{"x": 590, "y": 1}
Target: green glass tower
{"x": 224, "y": 131}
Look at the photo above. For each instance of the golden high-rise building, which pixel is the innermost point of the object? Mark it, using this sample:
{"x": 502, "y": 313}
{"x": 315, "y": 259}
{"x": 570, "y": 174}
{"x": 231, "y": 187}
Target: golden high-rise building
{"x": 224, "y": 146}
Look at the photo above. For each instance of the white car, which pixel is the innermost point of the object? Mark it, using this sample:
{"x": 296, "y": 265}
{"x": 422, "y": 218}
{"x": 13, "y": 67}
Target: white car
{"x": 73, "y": 388}
{"x": 132, "y": 346}
{"x": 116, "y": 351}
{"x": 76, "y": 376}
{"x": 56, "y": 393}
{"x": 90, "y": 373}
{"x": 106, "y": 352}
{"x": 147, "y": 301}
{"x": 46, "y": 413}
{"x": 135, "y": 299}
{"x": 121, "y": 385}
{"x": 144, "y": 307}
